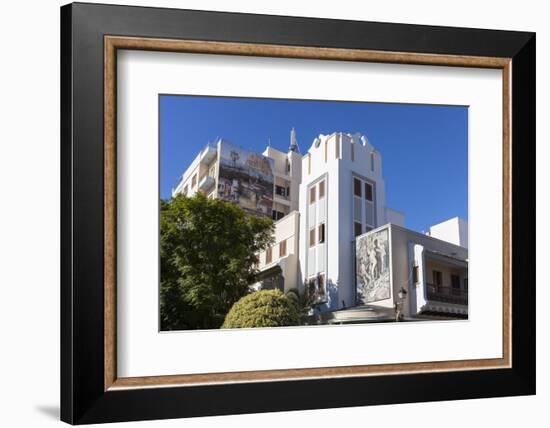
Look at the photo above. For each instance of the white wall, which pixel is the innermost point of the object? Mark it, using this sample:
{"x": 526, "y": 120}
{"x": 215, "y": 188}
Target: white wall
{"x": 29, "y": 159}
{"x": 454, "y": 230}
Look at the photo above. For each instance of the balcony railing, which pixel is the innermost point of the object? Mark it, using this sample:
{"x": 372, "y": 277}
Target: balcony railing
{"x": 440, "y": 293}
{"x": 207, "y": 154}
{"x": 206, "y": 183}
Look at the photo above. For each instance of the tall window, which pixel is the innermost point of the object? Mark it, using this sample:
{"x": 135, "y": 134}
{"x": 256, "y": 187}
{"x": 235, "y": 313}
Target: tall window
{"x": 321, "y": 233}
{"x": 352, "y": 151}
{"x": 415, "y": 274}
{"x": 437, "y": 277}
{"x": 185, "y": 189}
{"x": 312, "y": 195}
{"x": 326, "y": 151}
{"x": 337, "y": 147}
{"x": 455, "y": 281}
{"x": 321, "y": 189}
{"x": 364, "y": 211}
{"x": 372, "y": 161}
{"x": 282, "y": 248}
{"x": 368, "y": 191}
{"x": 357, "y": 228}
{"x": 357, "y": 187}
{"x": 268, "y": 255}
{"x": 194, "y": 181}
{"x": 309, "y": 163}
{"x": 312, "y": 237}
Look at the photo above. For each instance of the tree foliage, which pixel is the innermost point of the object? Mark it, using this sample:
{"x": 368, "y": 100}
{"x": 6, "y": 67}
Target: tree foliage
{"x": 265, "y": 308}
{"x": 208, "y": 256}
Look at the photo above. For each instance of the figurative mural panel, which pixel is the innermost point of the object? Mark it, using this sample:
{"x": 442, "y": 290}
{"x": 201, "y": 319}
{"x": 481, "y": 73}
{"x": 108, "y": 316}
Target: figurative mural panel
{"x": 246, "y": 179}
{"x": 372, "y": 267}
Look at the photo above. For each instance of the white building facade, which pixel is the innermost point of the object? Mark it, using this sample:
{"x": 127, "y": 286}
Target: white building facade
{"x": 335, "y": 237}
{"x": 342, "y": 195}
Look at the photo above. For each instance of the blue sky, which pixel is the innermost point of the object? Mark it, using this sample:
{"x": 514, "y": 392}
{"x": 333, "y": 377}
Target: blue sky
{"x": 424, "y": 148}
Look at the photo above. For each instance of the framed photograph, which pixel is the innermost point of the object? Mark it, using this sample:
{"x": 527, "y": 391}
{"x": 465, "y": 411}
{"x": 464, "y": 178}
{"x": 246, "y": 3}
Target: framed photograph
{"x": 266, "y": 213}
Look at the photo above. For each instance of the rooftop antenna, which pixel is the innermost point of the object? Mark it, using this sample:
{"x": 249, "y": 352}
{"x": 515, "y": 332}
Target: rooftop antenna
{"x": 293, "y": 143}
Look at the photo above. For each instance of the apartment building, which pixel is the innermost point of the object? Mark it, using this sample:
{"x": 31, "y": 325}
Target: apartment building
{"x": 334, "y": 233}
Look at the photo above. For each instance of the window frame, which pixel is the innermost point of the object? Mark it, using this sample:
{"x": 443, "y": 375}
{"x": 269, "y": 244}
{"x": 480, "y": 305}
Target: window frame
{"x": 312, "y": 241}
{"x": 312, "y": 195}
{"x": 355, "y": 187}
{"x": 282, "y": 246}
{"x": 321, "y": 185}
{"x": 321, "y": 227}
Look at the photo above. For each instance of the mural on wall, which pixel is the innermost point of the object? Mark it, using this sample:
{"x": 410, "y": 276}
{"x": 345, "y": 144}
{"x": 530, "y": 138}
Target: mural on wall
{"x": 246, "y": 179}
{"x": 372, "y": 267}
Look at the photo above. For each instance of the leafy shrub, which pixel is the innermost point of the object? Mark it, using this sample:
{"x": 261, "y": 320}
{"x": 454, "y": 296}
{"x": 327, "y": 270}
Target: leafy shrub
{"x": 265, "y": 308}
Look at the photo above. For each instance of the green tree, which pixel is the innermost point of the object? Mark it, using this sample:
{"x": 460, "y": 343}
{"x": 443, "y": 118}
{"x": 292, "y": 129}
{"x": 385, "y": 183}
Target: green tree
{"x": 208, "y": 256}
{"x": 266, "y": 308}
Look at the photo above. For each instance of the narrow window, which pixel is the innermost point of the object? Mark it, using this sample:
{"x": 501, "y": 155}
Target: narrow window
{"x": 437, "y": 278}
{"x": 321, "y": 233}
{"x": 455, "y": 281}
{"x": 357, "y": 228}
{"x": 312, "y": 237}
{"x": 372, "y": 161}
{"x": 268, "y": 255}
{"x": 185, "y": 191}
{"x": 312, "y": 195}
{"x": 309, "y": 163}
{"x": 352, "y": 151}
{"x": 282, "y": 248}
{"x": 326, "y": 151}
{"x": 455, "y": 285}
{"x": 357, "y": 187}
{"x": 337, "y": 147}
{"x": 415, "y": 274}
{"x": 368, "y": 191}
{"x": 321, "y": 189}
{"x": 194, "y": 181}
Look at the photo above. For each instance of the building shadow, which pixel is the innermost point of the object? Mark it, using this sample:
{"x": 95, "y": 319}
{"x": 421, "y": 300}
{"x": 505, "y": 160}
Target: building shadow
{"x": 49, "y": 410}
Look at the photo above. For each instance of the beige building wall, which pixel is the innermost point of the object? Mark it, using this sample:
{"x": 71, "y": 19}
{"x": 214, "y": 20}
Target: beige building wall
{"x": 286, "y": 230}
{"x": 409, "y": 249}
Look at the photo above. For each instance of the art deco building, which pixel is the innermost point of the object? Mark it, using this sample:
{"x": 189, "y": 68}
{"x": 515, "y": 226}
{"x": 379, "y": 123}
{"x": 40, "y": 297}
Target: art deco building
{"x": 334, "y": 233}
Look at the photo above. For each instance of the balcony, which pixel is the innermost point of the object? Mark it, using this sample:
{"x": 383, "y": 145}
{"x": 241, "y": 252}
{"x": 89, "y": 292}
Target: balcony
{"x": 206, "y": 183}
{"x": 208, "y": 154}
{"x": 439, "y": 293}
